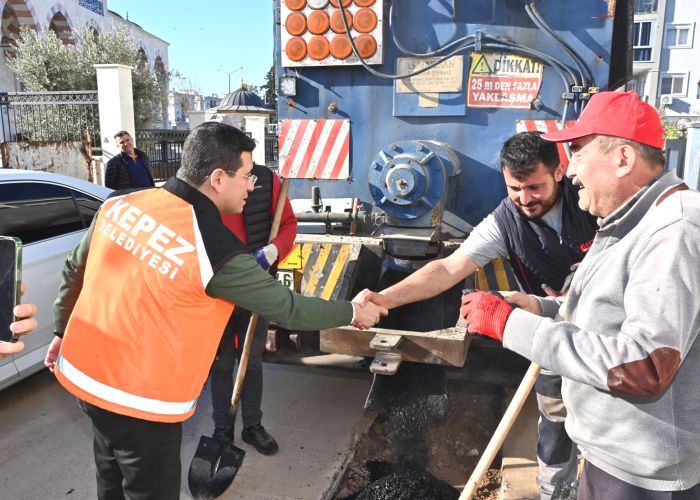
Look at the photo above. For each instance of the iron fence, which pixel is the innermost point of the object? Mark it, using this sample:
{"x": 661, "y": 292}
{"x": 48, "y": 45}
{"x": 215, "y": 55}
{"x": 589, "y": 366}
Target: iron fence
{"x": 50, "y": 116}
{"x": 164, "y": 150}
{"x": 271, "y": 151}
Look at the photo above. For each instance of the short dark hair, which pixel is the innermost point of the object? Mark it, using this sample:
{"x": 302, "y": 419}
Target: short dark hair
{"x": 121, "y": 133}
{"x": 523, "y": 151}
{"x": 209, "y": 146}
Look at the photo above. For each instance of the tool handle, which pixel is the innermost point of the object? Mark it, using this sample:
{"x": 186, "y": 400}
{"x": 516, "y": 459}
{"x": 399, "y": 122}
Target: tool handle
{"x": 250, "y": 333}
{"x": 502, "y": 431}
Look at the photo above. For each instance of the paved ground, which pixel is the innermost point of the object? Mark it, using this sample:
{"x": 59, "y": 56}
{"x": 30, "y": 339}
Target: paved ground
{"x": 46, "y": 441}
{"x": 315, "y": 413}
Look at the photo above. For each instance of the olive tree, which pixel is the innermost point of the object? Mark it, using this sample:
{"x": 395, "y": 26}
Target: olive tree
{"x": 43, "y": 62}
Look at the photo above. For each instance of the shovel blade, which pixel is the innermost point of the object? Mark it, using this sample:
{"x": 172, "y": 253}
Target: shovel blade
{"x": 213, "y": 468}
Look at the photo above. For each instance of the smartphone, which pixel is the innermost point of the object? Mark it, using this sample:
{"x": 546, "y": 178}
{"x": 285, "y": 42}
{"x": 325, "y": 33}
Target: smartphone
{"x": 10, "y": 282}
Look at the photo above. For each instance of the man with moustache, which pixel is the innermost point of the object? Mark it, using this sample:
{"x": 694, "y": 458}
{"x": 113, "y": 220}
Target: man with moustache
{"x": 542, "y": 231}
{"x": 624, "y": 338}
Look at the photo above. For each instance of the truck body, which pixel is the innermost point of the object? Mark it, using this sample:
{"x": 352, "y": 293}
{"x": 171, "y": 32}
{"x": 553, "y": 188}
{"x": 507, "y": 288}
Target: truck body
{"x": 407, "y": 117}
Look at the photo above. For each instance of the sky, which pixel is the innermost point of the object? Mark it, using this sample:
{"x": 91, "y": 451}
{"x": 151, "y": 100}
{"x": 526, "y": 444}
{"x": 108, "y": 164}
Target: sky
{"x": 209, "y": 38}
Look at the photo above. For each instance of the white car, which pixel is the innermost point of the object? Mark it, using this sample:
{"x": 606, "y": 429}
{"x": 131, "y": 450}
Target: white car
{"x": 49, "y": 213}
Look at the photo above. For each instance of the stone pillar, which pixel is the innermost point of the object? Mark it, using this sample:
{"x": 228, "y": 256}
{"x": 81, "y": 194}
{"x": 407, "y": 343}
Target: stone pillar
{"x": 116, "y": 104}
{"x": 691, "y": 171}
{"x": 255, "y": 125}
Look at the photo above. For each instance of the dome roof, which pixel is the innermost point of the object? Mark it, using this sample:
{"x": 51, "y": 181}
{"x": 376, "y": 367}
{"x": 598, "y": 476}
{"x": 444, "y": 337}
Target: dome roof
{"x": 243, "y": 100}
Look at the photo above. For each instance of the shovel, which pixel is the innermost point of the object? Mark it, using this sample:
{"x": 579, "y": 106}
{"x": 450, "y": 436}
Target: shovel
{"x": 215, "y": 464}
{"x": 501, "y": 432}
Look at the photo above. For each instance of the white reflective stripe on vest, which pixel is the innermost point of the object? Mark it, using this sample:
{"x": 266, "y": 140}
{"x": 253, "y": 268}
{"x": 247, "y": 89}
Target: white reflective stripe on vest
{"x": 120, "y": 397}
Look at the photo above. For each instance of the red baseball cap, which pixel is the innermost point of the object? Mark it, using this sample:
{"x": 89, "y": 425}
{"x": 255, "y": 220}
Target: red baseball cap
{"x": 619, "y": 114}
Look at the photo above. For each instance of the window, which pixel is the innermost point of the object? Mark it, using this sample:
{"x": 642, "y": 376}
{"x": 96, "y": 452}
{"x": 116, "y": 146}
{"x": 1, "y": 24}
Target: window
{"x": 35, "y": 211}
{"x": 673, "y": 84}
{"x": 679, "y": 36}
{"x": 643, "y": 41}
{"x": 87, "y": 206}
{"x": 644, "y": 6}
{"x": 638, "y": 84}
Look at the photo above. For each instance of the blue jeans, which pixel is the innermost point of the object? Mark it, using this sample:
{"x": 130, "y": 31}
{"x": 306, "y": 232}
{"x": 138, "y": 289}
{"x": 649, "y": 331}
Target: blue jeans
{"x": 221, "y": 378}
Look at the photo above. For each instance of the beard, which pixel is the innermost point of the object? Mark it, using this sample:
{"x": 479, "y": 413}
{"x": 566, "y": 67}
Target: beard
{"x": 537, "y": 208}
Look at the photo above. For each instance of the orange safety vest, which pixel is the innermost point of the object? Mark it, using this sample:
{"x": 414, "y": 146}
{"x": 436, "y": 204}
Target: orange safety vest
{"x": 143, "y": 334}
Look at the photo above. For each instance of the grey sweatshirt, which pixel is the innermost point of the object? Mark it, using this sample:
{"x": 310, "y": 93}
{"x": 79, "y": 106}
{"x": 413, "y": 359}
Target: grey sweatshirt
{"x": 625, "y": 341}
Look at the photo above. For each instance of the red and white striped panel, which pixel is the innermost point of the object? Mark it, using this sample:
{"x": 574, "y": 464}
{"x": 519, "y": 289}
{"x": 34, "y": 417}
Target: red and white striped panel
{"x": 546, "y": 126}
{"x": 315, "y": 149}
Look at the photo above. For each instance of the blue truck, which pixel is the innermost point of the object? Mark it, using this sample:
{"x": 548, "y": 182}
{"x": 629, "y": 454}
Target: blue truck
{"x": 401, "y": 107}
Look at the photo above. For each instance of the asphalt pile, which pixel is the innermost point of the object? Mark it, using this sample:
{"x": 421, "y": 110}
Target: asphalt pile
{"x": 411, "y": 401}
{"x": 408, "y": 485}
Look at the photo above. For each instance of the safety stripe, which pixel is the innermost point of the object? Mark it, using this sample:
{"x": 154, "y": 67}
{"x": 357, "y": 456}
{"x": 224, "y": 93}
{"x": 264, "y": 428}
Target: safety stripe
{"x": 326, "y": 270}
{"x": 496, "y": 275}
{"x": 501, "y": 278}
{"x": 338, "y": 266}
{"x": 480, "y": 281}
{"x": 332, "y": 128}
{"x": 314, "y": 149}
{"x": 305, "y": 252}
{"x": 306, "y": 160}
{"x": 117, "y": 396}
{"x": 288, "y": 150}
{"x": 546, "y": 126}
{"x": 317, "y": 269}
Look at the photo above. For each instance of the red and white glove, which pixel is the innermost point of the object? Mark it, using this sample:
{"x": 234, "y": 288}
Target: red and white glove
{"x": 486, "y": 314}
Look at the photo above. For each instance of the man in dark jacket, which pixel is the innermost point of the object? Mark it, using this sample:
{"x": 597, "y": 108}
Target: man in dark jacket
{"x": 541, "y": 229}
{"x": 128, "y": 169}
{"x": 252, "y": 228}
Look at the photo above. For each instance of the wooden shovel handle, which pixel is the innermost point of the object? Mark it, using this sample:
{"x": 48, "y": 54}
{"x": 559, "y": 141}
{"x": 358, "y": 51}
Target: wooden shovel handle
{"x": 502, "y": 431}
{"x": 250, "y": 333}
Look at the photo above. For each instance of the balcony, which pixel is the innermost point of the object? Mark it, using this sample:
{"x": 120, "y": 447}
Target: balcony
{"x": 645, "y": 6}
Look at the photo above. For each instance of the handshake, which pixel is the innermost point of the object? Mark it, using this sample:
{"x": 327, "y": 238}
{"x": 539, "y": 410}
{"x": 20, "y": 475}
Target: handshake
{"x": 486, "y": 314}
{"x": 368, "y": 308}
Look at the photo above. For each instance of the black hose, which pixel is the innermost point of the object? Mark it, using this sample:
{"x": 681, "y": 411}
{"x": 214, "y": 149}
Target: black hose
{"x": 416, "y": 54}
{"x": 578, "y": 60}
{"x": 559, "y": 67}
{"x": 385, "y": 75}
{"x": 562, "y": 69}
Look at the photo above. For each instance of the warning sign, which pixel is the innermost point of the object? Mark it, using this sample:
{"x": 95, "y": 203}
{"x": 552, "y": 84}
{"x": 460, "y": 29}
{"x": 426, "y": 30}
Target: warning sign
{"x": 293, "y": 260}
{"x": 445, "y": 77}
{"x": 500, "y": 80}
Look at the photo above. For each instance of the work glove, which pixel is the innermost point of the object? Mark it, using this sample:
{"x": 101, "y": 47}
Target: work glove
{"x": 486, "y": 313}
{"x": 267, "y": 255}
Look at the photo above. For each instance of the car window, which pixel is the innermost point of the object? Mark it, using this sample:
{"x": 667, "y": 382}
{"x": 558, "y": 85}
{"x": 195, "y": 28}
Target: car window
{"x": 87, "y": 206}
{"x": 35, "y": 211}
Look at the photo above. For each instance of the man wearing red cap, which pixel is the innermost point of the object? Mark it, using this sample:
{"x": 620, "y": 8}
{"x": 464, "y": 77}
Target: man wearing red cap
{"x": 624, "y": 338}
{"x": 541, "y": 230}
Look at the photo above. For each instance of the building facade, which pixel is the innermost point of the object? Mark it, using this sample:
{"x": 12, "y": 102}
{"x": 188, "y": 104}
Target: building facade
{"x": 63, "y": 17}
{"x": 665, "y": 55}
{"x": 245, "y": 110}
{"x": 185, "y": 101}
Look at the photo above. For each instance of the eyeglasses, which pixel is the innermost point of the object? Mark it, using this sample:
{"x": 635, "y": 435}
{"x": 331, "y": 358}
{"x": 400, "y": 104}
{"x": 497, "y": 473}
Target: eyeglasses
{"x": 252, "y": 179}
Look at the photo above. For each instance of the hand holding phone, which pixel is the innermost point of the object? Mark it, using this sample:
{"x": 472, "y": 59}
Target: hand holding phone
{"x": 25, "y": 323}
{"x": 10, "y": 284}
